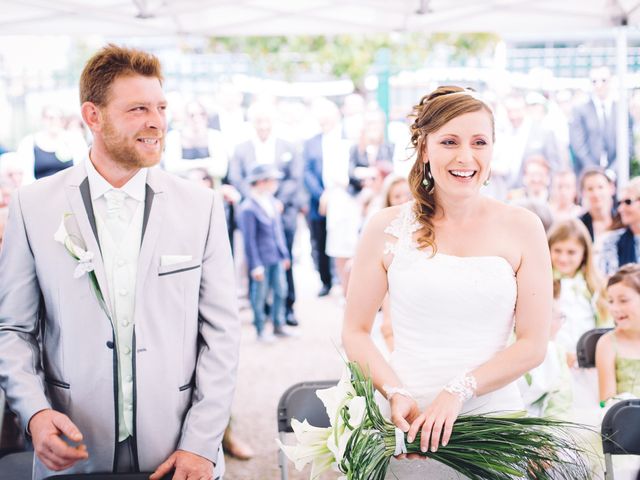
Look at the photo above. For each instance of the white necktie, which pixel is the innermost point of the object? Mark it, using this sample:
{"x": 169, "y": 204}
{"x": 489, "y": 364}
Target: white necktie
{"x": 116, "y": 216}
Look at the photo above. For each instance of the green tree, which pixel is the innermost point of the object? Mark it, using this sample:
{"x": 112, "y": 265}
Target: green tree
{"x": 349, "y": 56}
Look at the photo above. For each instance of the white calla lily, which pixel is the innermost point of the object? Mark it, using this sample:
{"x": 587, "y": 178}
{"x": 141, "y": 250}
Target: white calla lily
{"x": 84, "y": 257}
{"x": 334, "y": 398}
{"x": 311, "y": 447}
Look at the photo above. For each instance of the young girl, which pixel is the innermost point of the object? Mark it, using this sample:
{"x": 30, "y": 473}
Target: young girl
{"x": 582, "y": 297}
{"x": 618, "y": 352}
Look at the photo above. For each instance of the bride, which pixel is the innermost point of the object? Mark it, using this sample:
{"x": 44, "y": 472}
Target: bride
{"x": 460, "y": 269}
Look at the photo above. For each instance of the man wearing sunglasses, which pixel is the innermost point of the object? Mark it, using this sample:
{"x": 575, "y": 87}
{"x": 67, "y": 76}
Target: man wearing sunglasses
{"x": 622, "y": 246}
{"x": 592, "y": 131}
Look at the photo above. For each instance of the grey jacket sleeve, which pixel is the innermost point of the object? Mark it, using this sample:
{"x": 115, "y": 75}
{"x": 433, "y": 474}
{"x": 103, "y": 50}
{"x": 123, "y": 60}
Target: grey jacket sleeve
{"x": 219, "y": 342}
{"x": 21, "y": 374}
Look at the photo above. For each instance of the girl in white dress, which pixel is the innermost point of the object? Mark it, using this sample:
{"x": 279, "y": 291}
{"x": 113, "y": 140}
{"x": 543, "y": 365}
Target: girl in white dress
{"x": 458, "y": 267}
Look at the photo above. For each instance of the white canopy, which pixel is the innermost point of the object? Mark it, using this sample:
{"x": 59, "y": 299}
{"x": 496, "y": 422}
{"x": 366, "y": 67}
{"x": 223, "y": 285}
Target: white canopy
{"x": 120, "y": 18}
{"x": 284, "y": 17}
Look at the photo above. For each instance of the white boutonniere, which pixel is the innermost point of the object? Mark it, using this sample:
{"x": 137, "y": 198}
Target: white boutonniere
{"x": 286, "y": 157}
{"x": 84, "y": 258}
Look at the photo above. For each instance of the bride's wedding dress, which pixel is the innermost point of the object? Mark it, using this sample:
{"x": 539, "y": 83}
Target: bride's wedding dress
{"x": 450, "y": 314}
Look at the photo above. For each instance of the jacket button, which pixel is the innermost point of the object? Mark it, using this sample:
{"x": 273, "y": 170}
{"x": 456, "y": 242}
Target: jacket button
{"x": 110, "y": 344}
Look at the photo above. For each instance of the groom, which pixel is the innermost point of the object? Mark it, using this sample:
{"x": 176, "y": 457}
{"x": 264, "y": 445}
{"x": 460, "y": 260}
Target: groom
{"x": 135, "y": 371}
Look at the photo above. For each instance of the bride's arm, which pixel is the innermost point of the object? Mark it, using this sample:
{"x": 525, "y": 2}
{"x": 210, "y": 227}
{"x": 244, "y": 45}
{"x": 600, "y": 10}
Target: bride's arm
{"x": 367, "y": 288}
{"x": 532, "y": 312}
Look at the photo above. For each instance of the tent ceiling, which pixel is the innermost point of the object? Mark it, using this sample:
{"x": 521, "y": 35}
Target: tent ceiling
{"x": 291, "y": 17}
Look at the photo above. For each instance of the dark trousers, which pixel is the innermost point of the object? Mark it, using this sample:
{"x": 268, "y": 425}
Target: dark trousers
{"x": 319, "y": 233}
{"x": 289, "y": 235}
{"x": 125, "y": 457}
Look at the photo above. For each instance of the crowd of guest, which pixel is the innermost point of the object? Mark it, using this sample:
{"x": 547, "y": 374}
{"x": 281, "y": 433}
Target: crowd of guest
{"x": 332, "y": 164}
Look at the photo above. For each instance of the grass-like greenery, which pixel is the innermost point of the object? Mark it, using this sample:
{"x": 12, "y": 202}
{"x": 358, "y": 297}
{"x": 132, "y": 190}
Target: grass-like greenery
{"x": 482, "y": 447}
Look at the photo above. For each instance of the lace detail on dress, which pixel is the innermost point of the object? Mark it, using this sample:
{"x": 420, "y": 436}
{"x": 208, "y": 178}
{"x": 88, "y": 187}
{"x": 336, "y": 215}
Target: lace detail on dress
{"x": 389, "y": 247}
{"x": 402, "y": 227}
{"x": 395, "y": 227}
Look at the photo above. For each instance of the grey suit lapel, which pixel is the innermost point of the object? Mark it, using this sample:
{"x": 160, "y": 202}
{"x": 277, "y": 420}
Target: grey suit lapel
{"x": 154, "y": 209}
{"x": 148, "y": 202}
{"x": 88, "y": 206}
{"x": 80, "y": 200}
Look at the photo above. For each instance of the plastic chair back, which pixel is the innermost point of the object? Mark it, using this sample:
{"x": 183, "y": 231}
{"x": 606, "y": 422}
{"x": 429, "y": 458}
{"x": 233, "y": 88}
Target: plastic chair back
{"x": 620, "y": 432}
{"x": 586, "y": 348}
{"x": 300, "y": 401}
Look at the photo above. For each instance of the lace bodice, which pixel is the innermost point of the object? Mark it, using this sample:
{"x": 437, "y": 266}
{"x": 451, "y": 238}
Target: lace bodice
{"x": 449, "y": 314}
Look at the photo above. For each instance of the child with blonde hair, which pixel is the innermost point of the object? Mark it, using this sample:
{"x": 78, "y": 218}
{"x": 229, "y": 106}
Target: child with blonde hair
{"x": 582, "y": 295}
{"x": 618, "y": 352}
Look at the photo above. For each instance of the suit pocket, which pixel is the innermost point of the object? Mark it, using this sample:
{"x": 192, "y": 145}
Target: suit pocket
{"x": 187, "y": 386}
{"x": 59, "y": 394}
{"x": 57, "y": 383}
{"x": 178, "y": 267}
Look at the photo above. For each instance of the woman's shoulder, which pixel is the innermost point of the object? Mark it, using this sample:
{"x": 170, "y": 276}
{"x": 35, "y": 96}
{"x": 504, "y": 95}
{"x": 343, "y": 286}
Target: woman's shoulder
{"x": 386, "y": 218}
{"x": 512, "y": 217}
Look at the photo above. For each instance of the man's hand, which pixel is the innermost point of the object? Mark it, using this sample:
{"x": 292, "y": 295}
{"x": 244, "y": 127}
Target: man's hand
{"x": 47, "y": 427}
{"x": 187, "y": 465}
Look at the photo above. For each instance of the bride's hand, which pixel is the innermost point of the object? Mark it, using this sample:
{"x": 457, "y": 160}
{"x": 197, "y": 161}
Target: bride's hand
{"x": 404, "y": 410}
{"x": 436, "y": 421}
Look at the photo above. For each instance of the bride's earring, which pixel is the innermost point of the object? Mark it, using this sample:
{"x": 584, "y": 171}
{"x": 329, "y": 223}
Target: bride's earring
{"x": 427, "y": 178}
{"x": 488, "y": 180}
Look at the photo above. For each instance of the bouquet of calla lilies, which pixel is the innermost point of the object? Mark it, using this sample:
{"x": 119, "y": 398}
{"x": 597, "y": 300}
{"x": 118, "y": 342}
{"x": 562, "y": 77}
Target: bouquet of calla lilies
{"x": 360, "y": 441}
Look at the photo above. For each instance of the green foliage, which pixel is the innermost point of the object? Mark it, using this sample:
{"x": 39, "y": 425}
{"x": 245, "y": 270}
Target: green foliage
{"x": 349, "y": 56}
{"x": 634, "y": 169}
{"x": 482, "y": 447}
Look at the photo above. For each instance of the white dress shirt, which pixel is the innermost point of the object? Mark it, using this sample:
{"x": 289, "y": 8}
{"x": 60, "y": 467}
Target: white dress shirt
{"x": 265, "y": 151}
{"x": 119, "y": 214}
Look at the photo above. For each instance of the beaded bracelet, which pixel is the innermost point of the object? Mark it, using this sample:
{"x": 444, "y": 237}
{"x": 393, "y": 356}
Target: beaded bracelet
{"x": 464, "y": 386}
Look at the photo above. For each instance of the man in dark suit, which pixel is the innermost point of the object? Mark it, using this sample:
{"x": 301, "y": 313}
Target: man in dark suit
{"x": 317, "y": 156}
{"x": 265, "y": 148}
{"x": 267, "y": 254}
{"x": 592, "y": 132}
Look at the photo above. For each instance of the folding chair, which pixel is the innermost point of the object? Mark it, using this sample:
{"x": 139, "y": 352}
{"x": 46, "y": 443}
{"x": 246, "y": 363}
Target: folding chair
{"x": 299, "y": 401}
{"x": 586, "y": 348}
{"x": 16, "y": 466}
{"x": 620, "y": 432}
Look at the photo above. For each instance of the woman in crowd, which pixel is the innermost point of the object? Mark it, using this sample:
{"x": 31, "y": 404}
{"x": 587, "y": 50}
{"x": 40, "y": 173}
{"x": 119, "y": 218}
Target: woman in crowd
{"x": 50, "y": 149}
{"x": 564, "y": 193}
{"x": 371, "y": 153}
{"x": 458, "y": 266}
{"x": 622, "y": 246}
{"x": 195, "y": 145}
{"x": 596, "y": 192}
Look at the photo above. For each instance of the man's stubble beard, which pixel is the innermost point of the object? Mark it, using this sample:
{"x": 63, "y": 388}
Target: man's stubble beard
{"x": 118, "y": 147}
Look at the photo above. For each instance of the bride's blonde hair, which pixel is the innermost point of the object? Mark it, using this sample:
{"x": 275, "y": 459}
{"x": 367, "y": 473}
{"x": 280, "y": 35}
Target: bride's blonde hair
{"x": 432, "y": 113}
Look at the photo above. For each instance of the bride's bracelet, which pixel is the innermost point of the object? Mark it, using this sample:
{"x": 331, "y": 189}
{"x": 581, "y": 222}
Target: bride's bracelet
{"x": 464, "y": 387}
{"x": 390, "y": 391}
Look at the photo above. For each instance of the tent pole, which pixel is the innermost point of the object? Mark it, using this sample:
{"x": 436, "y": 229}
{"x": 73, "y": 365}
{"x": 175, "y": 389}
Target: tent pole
{"x": 622, "y": 112}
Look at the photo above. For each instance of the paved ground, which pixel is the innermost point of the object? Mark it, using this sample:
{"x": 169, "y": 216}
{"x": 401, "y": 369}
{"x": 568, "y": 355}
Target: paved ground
{"x": 266, "y": 371}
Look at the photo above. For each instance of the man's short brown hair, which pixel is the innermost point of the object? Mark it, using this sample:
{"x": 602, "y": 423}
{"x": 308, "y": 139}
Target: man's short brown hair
{"x": 110, "y": 63}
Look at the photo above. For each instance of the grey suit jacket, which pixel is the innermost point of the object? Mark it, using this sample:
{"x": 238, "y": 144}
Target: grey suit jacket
{"x": 588, "y": 139}
{"x": 289, "y": 162}
{"x": 57, "y": 344}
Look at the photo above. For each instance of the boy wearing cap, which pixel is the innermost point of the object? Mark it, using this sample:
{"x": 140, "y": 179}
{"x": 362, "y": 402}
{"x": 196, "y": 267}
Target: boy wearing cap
{"x": 265, "y": 247}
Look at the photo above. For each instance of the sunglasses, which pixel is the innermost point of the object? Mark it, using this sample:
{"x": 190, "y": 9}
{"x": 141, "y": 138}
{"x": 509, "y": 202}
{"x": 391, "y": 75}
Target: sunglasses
{"x": 628, "y": 201}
